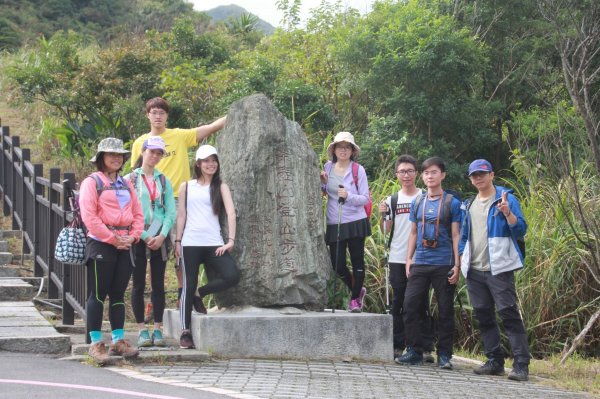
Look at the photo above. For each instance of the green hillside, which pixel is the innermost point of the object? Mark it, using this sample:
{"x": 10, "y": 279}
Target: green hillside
{"x": 23, "y": 20}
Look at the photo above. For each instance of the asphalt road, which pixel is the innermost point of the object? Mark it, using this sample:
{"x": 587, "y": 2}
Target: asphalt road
{"x": 25, "y": 376}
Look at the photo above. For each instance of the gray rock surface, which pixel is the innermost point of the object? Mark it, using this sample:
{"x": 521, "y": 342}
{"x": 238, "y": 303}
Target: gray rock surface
{"x": 273, "y": 174}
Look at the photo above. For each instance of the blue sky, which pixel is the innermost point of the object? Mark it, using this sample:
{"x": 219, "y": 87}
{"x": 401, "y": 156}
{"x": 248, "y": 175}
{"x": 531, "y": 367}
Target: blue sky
{"x": 267, "y": 10}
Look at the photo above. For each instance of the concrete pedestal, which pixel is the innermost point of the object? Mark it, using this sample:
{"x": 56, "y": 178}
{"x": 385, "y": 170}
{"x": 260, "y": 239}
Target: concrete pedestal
{"x": 288, "y": 333}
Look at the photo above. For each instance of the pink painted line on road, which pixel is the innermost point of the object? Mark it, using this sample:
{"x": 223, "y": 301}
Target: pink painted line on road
{"x": 88, "y": 388}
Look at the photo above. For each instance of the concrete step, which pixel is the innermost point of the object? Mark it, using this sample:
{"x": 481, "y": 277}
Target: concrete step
{"x": 12, "y": 289}
{"x": 5, "y": 258}
{"x": 10, "y": 233}
{"x": 9, "y": 271}
{"x": 3, "y": 246}
{"x": 24, "y": 329}
{"x": 169, "y": 353}
{"x": 16, "y": 259}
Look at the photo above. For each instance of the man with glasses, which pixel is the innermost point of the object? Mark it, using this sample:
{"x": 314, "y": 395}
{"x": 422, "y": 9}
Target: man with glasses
{"x": 174, "y": 164}
{"x": 490, "y": 255}
{"x": 396, "y": 209}
{"x": 432, "y": 259}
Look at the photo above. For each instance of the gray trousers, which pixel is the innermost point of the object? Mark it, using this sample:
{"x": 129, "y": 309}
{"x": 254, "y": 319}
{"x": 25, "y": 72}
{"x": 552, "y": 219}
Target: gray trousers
{"x": 489, "y": 294}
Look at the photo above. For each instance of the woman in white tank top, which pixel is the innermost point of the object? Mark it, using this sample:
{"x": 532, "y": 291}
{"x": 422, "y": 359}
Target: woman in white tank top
{"x": 199, "y": 239}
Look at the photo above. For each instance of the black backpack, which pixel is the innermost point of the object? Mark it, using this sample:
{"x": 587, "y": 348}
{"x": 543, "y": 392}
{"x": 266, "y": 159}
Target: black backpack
{"x": 446, "y": 210}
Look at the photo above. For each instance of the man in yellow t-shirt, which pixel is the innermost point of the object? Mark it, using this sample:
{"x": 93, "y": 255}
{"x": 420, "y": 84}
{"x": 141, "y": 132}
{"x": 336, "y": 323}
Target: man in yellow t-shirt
{"x": 175, "y": 164}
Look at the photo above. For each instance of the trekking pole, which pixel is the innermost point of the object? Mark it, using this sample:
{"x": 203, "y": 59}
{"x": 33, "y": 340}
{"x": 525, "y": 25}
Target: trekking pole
{"x": 337, "y": 248}
{"x": 387, "y": 263}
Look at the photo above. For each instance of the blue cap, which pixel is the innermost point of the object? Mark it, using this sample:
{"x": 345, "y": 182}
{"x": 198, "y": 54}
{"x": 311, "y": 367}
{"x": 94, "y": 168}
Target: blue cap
{"x": 480, "y": 165}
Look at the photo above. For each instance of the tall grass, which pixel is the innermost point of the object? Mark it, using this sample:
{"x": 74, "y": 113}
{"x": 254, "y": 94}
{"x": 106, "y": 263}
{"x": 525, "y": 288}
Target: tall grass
{"x": 556, "y": 290}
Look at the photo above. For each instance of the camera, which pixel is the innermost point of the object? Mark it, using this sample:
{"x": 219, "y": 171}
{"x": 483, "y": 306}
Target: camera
{"x": 429, "y": 243}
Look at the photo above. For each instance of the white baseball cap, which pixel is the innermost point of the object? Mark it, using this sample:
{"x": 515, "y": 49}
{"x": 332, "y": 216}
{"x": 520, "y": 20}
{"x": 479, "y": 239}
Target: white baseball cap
{"x": 205, "y": 151}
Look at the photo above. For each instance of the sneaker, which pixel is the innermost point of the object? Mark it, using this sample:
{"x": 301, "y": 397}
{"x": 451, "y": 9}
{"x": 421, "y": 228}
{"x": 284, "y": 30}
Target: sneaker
{"x": 354, "y": 306}
{"x": 398, "y": 352}
{"x": 199, "y": 305}
{"x": 144, "y": 339}
{"x": 186, "y": 341}
{"x": 157, "y": 338}
{"x": 123, "y": 348}
{"x": 410, "y": 358}
{"x": 149, "y": 315}
{"x": 99, "y": 353}
{"x": 520, "y": 372}
{"x": 428, "y": 357}
{"x": 490, "y": 367}
{"x": 361, "y": 297}
{"x": 443, "y": 361}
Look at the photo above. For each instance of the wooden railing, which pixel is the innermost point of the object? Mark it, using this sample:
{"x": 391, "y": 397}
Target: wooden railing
{"x": 39, "y": 207}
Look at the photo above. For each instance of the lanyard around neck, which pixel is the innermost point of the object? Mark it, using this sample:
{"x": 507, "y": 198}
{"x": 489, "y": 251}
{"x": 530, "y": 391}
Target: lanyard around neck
{"x": 437, "y": 222}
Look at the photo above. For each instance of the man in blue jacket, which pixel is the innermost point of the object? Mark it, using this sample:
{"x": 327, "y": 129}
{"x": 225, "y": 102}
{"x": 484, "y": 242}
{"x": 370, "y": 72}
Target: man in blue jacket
{"x": 489, "y": 256}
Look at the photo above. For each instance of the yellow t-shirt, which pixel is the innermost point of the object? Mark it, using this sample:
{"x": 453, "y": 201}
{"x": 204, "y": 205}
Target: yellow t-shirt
{"x": 174, "y": 164}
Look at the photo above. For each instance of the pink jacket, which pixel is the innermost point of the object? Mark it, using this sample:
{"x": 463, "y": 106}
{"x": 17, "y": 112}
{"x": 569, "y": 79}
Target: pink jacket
{"x": 98, "y": 212}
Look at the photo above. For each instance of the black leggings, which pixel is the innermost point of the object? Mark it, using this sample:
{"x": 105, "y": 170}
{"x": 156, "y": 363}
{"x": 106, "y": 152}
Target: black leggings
{"x": 356, "y": 247}
{"x": 221, "y": 271}
{"x": 107, "y": 278}
{"x": 157, "y": 267}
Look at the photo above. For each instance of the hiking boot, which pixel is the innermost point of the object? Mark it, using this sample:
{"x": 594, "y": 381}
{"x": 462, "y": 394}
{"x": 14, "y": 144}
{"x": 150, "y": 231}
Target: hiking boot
{"x": 361, "y": 297}
{"x": 149, "y": 315}
{"x": 354, "y": 306}
{"x": 99, "y": 353}
{"x": 490, "y": 367}
{"x": 186, "y": 341}
{"x": 443, "y": 361}
{"x": 411, "y": 358}
{"x": 428, "y": 357}
{"x": 144, "y": 339}
{"x": 199, "y": 305}
{"x": 520, "y": 372}
{"x": 123, "y": 348}
{"x": 157, "y": 338}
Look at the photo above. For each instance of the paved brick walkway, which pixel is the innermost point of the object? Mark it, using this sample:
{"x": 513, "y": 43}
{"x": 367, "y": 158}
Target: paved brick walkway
{"x": 325, "y": 379}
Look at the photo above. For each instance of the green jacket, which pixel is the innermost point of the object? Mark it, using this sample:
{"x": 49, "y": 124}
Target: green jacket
{"x": 156, "y": 209}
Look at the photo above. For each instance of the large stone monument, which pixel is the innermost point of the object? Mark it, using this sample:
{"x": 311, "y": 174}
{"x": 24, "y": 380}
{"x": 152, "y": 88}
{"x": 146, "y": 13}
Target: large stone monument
{"x": 273, "y": 174}
{"x": 279, "y": 247}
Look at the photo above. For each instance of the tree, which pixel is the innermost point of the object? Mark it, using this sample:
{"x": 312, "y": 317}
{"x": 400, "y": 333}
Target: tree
{"x": 576, "y": 35}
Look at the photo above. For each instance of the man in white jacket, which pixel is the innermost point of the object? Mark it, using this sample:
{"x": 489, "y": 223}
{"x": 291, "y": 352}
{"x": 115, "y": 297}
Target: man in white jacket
{"x": 489, "y": 256}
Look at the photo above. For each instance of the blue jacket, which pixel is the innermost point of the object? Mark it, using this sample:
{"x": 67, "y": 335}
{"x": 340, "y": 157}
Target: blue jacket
{"x": 503, "y": 250}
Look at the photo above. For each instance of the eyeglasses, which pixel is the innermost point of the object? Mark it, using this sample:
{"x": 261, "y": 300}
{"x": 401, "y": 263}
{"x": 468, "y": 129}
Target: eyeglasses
{"x": 157, "y": 113}
{"x": 405, "y": 172}
{"x": 344, "y": 147}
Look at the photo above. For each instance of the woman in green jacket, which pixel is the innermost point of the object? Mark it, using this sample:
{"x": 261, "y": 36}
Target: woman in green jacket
{"x": 156, "y": 196}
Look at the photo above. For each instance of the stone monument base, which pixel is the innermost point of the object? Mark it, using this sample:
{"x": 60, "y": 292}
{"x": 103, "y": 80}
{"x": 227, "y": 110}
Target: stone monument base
{"x": 288, "y": 333}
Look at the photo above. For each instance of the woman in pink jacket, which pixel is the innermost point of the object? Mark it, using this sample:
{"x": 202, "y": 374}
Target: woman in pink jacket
{"x": 114, "y": 219}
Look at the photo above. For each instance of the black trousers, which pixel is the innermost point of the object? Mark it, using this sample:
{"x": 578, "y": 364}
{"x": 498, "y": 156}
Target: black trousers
{"x": 398, "y": 281}
{"x": 490, "y": 294}
{"x": 110, "y": 278}
{"x": 421, "y": 277}
{"x": 356, "y": 247}
{"x": 157, "y": 281}
{"x": 221, "y": 271}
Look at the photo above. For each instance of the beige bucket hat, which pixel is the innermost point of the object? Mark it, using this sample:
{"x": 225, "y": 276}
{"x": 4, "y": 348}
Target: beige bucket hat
{"x": 343, "y": 137}
{"x": 111, "y": 144}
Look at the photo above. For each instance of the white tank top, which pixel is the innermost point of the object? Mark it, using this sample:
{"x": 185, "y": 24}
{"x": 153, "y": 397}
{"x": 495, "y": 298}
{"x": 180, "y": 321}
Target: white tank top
{"x": 202, "y": 228}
